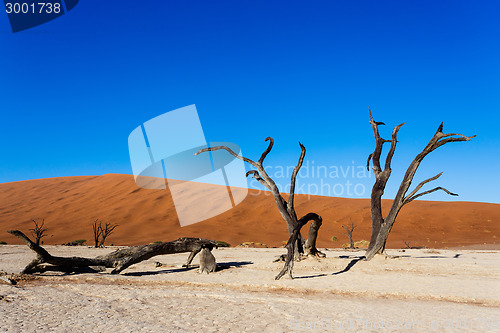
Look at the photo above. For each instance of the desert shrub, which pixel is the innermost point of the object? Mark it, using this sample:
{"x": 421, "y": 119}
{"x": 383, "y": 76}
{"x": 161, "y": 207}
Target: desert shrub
{"x": 223, "y": 244}
{"x": 253, "y": 245}
{"x": 77, "y": 242}
{"x": 334, "y": 239}
{"x": 362, "y": 244}
{"x": 157, "y": 242}
{"x": 3, "y": 243}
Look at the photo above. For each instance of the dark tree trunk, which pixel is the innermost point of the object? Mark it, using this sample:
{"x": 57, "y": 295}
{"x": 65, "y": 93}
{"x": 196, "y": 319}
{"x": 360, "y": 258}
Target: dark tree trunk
{"x": 118, "y": 260}
{"x": 310, "y": 243}
{"x": 96, "y": 232}
{"x": 294, "y": 238}
{"x": 381, "y": 227}
{"x": 296, "y": 244}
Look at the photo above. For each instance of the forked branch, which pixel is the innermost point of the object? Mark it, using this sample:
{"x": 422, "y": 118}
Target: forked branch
{"x": 230, "y": 151}
{"x": 410, "y": 199}
{"x": 413, "y": 195}
{"x": 257, "y": 176}
{"x": 348, "y": 233}
{"x": 393, "y": 141}
{"x": 39, "y": 231}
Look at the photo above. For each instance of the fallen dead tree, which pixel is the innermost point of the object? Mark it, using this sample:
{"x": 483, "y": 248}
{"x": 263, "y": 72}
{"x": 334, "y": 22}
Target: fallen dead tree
{"x": 118, "y": 260}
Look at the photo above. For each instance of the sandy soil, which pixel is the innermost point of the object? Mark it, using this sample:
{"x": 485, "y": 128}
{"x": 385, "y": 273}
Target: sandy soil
{"x": 69, "y": 205}
{"x": 413, "y": 291}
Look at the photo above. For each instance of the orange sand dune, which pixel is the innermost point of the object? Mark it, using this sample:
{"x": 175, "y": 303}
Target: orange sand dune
{"x": 70, "y": 204}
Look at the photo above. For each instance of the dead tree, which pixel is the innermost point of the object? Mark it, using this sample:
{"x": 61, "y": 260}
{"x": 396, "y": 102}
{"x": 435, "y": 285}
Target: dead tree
{"x": 38, "y": 231}
{"x": 296, "y": 244}
{"x": 118, "y": 260}
{"x": 413, "y": 247}
{"x": 106, "y": 231}
{"x": 381, "y": 227}
{"x": 348, "y": 233}
{"x": 101, "y": 233}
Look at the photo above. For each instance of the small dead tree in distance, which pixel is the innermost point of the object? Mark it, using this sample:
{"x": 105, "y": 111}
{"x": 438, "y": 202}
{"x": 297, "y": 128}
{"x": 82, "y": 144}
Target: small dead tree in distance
{"x": 381, "y": 227}
{"x": 38, "y": 231}
{"x": 296, "y": 244}
{"x": 348, "y": 233}
{"x": 106, "y": 231}
{"x": 101, "y": 233}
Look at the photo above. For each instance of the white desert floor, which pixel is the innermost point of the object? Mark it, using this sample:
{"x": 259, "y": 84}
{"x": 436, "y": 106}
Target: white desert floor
{"x": 419, "y": 291}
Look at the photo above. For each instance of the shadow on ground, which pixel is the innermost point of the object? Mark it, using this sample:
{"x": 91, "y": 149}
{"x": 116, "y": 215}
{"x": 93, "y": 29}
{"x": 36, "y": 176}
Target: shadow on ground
{"x": 220, "y": 266}
{"x": 225, "y": 265}
{"x": 350, "y": 265}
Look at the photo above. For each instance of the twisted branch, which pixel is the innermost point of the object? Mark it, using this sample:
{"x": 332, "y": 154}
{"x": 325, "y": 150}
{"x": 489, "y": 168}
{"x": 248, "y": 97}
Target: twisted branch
{"x": 290, "y": 245}
{"x": 230, "y": 151}
{"x": 264, "y": 154}
{"x": 257, "y": 176}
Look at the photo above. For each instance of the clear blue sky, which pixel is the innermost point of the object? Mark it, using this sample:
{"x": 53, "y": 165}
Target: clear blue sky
{"x": 74, "y": 88}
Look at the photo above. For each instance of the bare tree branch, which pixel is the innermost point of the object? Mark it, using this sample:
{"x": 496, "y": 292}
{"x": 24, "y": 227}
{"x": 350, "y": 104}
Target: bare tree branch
{"x": 368, "y": 162}
{"x": 40, "y": 251}
{"x": 249, "y": 161}
{"x": 394, "y": 141}
{"x": 38, "y": 231}
{"x": 379, "y": 142}
{"x": 458, "y": 134}
{"x": 106, "y": 231}
{"x": 294, "y": 176}
{"x": 348, "y": 233}
{"x": 264, "y": 154}
{"x": 419, "y": 186}
{"x": 271, "y": 185}
{"x": 257, "y": 176}
{"x": 427, "y": 192}
{"x": 452, "y": 139}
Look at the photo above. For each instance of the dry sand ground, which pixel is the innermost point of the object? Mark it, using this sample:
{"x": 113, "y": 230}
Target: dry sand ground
{"x": 420, "y": 291}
